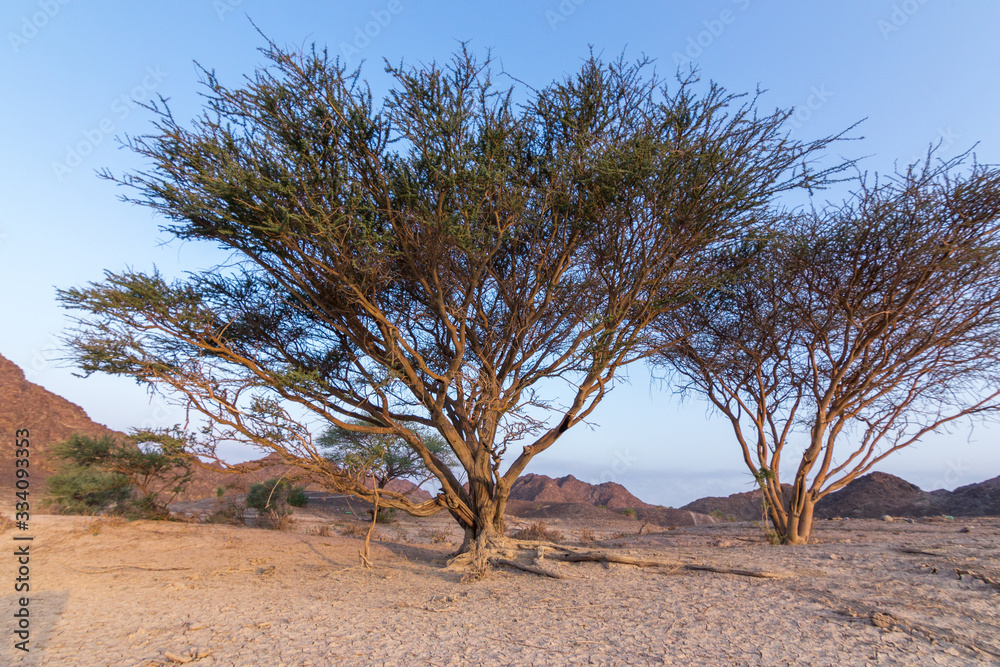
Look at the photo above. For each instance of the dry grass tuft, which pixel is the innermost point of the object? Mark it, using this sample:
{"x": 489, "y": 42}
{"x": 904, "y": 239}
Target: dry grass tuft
{"x": 320, "y": 531}
{"x": 354, "y": 529}
{"x": 96, "y": 525}
{"x": 538, "y": 531}
{"x": 440, "y": 537}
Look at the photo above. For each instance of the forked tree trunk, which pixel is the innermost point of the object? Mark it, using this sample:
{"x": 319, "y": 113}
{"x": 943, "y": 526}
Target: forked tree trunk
{"x": 487, "y": 533}
{"x": 488, "y": 530}
{"x": 800, "y": 522}
{"x": 792, "y": 523}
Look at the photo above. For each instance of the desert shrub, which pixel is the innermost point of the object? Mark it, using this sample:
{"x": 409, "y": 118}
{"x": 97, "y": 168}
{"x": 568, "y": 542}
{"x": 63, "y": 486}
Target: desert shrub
{"x": 79, "y": 489}
{"x": 276, "y": 497}
{"x": 322, "y": 530}
{"x": 297, "y": 496}
{"x": 538, "y": 531}
{"x": 229, "y": 511}
{"x": 385, "y": 515}
{"x": 630, "y": 513}
{"x": 136, "y": 477}
{"x": 281, "y": 522}
{"x": 588, "y": 535}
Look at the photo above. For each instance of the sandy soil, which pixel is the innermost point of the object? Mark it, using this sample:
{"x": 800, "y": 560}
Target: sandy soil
{"x": 106, "y": 592}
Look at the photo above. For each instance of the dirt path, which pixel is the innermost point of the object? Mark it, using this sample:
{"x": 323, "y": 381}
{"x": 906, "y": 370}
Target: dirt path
{"x": 106, "y": 593}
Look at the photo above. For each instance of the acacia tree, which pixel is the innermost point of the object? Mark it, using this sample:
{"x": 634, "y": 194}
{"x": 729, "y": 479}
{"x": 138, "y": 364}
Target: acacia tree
{"x": 383, "y": 457}
{"x": 865, "y": 326}
{"x": 426, "y": 261}
{"x": 150, "y": 463}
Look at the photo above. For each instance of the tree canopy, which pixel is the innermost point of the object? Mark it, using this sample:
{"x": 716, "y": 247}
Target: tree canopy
{"x": 866, "y": 325}
{"x": 424, "y": 260}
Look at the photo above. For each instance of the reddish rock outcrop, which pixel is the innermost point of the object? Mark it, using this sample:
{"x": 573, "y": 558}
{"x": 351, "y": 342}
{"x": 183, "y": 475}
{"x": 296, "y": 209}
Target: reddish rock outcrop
{"x": 49, "y": 419}
{"x": 569, "y": 489}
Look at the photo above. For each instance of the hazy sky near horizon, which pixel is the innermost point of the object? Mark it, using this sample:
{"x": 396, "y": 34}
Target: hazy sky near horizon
{"x": 919, "y": 72}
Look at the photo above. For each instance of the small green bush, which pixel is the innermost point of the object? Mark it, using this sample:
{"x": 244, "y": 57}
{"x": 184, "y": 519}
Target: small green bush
{"x": 630, "y": 513}
{"x": 77, "y": 489}
{"x": 297, "y": 496}
{"x": 274, "y": 500}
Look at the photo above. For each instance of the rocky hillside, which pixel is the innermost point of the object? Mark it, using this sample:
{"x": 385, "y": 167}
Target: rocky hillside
{"x": 877, "y": 494}
{"x": 568, "y": 489}
{"x": 540, "y": 496}
{"x": 871, "y": 496}
{"x": 744, "y": 506}
{"x": 982, "y": 499}
{"x": 49, "y": 418}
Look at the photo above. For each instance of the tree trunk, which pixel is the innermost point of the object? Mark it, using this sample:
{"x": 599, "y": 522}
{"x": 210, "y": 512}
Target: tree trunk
{"x": 487, "y": 534}
{"x": 800, "y": 520}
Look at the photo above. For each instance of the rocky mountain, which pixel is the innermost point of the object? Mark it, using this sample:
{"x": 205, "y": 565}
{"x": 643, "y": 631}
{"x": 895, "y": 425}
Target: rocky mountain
{"x": 744, "y": 506}
{"x": 869, "y": 497}
{"x": 49, "y": 418}
{"x": 540, "y": 496}
{"x": 982, "y": 499}
{"x": 877, "y": 494}
{"x": 568, "y": 489}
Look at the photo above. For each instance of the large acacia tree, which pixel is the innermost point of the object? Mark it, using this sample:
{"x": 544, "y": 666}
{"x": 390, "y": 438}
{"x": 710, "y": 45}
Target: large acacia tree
{"x": 857, "y": 330}
{"x": 425, "y": 260}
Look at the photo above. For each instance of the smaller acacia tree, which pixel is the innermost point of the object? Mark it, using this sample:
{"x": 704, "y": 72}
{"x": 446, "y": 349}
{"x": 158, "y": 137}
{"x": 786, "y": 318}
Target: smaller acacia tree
{"x": 383, "y": 457}
{"x": 875, "y": 322}
{"x": 140, "y": 474}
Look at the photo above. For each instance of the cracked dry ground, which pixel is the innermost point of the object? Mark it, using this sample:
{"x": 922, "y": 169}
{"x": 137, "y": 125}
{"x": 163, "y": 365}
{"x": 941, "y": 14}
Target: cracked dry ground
{"x": 867, "y": 593}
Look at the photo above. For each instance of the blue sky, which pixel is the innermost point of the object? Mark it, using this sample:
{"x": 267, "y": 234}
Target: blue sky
{"x": 918, "y": 71}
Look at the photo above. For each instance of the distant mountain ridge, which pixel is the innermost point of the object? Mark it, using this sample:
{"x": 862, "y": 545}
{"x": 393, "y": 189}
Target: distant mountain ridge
{"x": 872, "y": 496}
{"x": 540, "y": 496}
{"x": 569, "y": 489}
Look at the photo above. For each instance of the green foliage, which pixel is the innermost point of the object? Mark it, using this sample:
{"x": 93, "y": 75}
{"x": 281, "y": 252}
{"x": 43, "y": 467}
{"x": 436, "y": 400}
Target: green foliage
{"x": 432, "y": 256}
{"x": 297, "y": 496}
{"x": 136, "y": 476}
{"x": 77, "y": 489}
{"x": 386, "y": 515}
{"x": 630, "y": 513}
{"x": 275, "y": 497}
{"x": 384, "y": 457}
